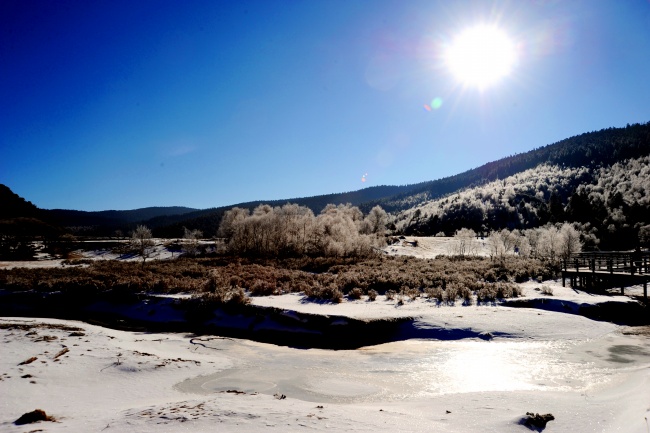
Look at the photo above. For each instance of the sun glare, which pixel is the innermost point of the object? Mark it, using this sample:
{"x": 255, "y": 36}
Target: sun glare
{"x": 480, "y": 56}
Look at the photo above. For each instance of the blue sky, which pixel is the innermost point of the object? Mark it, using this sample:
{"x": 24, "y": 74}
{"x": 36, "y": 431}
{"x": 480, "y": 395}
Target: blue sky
{"x": 126, "y": 104}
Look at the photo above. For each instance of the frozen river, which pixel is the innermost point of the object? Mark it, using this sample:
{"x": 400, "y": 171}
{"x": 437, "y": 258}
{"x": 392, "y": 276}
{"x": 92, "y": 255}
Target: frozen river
{"x": 420, "y": 369}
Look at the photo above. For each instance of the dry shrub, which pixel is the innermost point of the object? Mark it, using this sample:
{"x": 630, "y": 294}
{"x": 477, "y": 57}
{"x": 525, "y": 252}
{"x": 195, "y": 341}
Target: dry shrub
{"x": 492, "y": 292}
{"x": 372, "y": 295}
{"x": 225, "y": 295}
{"x": 216, "y": 293}
{"x": 435, "y": 293}
{"x": 326, "y": 293}
{"x": 237, "y": 295}
{"x": 262, "y": 288}
{"x": 507, "y": 290}
{"x": 410, "y": 293}
{"x": 487, "y": 293}
{"x": 355, "y": 293}
{"x": 451, "y": 294}
{"x": 320, "y": 277}
{"x": 466, "y": 295}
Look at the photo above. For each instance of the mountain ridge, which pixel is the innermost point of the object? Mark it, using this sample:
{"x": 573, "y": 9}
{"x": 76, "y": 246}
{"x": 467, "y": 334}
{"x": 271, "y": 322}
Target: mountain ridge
{"x": 590, "y": 149}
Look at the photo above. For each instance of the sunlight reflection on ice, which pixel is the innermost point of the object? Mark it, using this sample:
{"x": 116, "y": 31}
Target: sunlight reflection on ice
{"x": 416, "y": 368}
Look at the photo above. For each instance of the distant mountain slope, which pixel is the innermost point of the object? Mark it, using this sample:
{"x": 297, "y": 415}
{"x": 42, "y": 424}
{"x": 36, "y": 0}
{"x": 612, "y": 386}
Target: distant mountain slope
{"x": 591, "y": 149}
{"x": 146, "y": 213}
{"x": 67, "y": 217}
{"x": 610, "y": 203}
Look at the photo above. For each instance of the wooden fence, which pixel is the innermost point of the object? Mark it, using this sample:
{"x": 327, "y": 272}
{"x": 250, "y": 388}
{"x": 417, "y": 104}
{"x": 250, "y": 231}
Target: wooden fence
{"x": 619, "y": 268}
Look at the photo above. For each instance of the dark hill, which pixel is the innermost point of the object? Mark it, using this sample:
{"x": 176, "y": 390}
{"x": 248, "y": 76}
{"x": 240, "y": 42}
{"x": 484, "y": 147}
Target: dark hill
{"x": 12, "y": 205}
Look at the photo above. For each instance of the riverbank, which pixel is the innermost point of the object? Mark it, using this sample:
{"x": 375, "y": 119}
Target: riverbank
{"x": 296, "y": 320}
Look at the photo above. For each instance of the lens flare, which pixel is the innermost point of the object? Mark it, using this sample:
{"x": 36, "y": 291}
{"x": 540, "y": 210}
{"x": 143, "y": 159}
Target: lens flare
{"x": 426, "y": 107}
{"x": 436, "y": 103}
{"x": 364, "y": 177}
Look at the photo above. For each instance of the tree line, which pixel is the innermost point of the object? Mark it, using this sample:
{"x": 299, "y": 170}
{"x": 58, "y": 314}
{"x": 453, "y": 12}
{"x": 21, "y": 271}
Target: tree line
{"x": 294, "y": 230}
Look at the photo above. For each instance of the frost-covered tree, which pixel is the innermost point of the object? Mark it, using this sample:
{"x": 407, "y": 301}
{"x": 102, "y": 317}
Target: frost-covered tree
{"x": 465, "y": 242}
{"x": 570, "y": 239}
{"x": 503, "y": 242}
{"x": 377, "y": 219}
{"x": 294, "y": 230}
{"x": 191, "y": 241}
{"x": 142, "y": 242}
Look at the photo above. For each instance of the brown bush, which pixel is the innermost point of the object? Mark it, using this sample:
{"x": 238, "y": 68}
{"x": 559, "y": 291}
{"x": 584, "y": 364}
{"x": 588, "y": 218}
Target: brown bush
{"x": 321, "y": 278}
{"x": 410, "y": 293}
{"x": 451, "y": 294}
{"x": 355, "y": 293}
{"x": 435, "y": 293}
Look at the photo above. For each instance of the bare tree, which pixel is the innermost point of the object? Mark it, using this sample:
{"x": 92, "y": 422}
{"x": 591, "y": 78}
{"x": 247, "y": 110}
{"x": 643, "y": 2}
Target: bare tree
{"x": 466, "y": 243}
{"x": 191, "y": 241}
{"x": 142, "y": 242}
{"x": 505, "y": 242}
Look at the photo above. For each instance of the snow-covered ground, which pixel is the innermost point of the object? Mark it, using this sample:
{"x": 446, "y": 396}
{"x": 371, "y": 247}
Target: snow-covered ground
{"x": 592, "y": 376}
{"x": 427, "y": 248}
{"x": 430, "y": 247}
{"x": 589, "y": 379}
{"x": 159, "y": 251}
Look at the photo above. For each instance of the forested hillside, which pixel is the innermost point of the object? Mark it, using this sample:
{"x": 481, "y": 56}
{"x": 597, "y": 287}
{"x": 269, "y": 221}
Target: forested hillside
{"x": 592, "y": 149}
{"x": 610, "y": 203}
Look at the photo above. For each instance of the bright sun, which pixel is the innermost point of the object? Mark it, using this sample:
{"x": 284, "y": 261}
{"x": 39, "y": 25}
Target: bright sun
{"x": 480, "y": 56}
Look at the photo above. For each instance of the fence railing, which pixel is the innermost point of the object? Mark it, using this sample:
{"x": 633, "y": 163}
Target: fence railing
{"x": 613, "y": 262}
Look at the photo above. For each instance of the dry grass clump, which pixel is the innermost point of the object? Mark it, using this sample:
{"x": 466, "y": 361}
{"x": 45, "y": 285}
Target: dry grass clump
{"x": 501, "y": 290}
{"x": 355, "y": 293}
{"x": 224, "y": 294}
{"x": 411, "y": 293}
{"x": 444, "y": 280}
{"x": 325, "y": 293}
{"x": 466, "y": 295}
{"x": 435, "y": 293}
{"x": 451, "y": 293}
